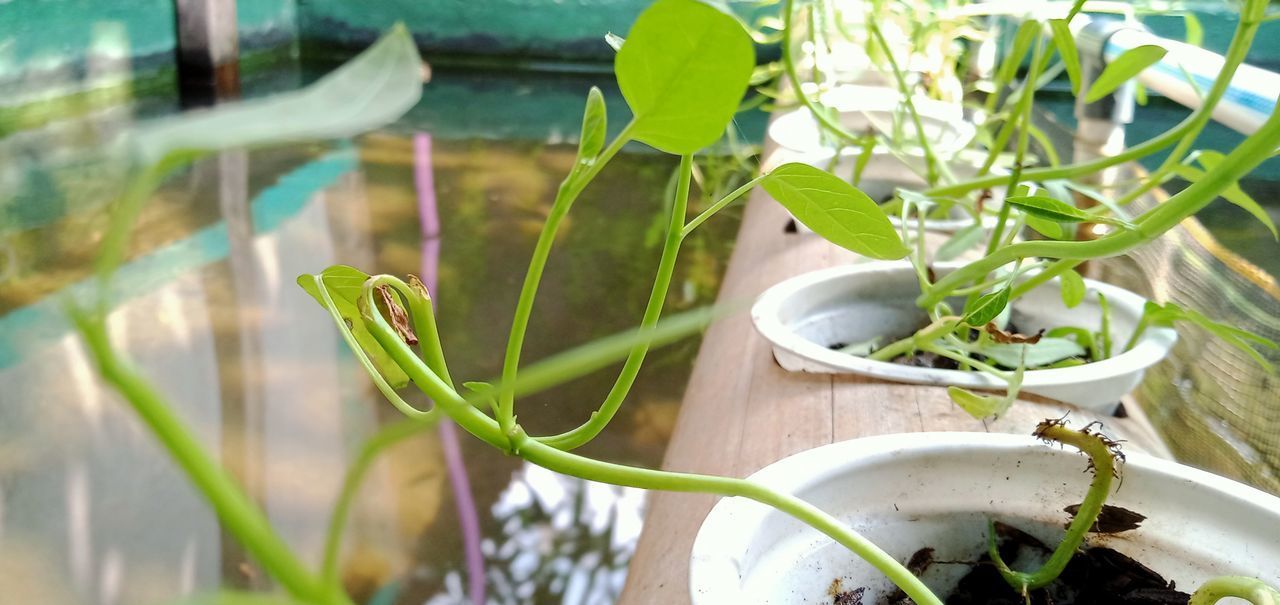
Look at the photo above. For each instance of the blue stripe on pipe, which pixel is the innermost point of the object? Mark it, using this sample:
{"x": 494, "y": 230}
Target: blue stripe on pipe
{"x": 1252, "y": 101}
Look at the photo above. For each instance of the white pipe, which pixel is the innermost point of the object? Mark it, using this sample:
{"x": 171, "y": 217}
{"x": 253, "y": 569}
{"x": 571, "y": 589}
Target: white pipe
{"x": 1245, "y": 106}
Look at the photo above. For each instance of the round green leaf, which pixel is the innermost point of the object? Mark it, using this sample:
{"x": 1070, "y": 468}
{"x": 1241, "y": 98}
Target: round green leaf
{"x": 835, "y": 210}
{"x": 683, "y": 70}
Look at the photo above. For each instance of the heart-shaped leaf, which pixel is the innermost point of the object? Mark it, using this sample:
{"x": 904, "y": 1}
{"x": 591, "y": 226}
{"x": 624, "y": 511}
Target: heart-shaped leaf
{"x": 1130, "y": 63}
{"x": 683, "y": 70}
{"x": 835, "y": 210}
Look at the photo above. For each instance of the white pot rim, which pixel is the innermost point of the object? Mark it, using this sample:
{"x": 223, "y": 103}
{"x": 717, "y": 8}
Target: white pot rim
{"x": 801, "y": 120}
{"x": 1149, "y": 350}
{"x": 728, "y": 529}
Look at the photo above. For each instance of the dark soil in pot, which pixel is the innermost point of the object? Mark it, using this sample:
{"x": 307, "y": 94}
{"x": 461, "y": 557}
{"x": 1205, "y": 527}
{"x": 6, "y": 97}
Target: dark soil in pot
{"x": 1095, "y": 576}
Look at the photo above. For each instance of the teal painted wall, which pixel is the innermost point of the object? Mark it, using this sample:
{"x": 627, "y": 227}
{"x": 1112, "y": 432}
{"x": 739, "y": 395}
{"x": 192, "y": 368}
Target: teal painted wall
{"x": 532, "y": 28}
{"x": 46, "y": 45}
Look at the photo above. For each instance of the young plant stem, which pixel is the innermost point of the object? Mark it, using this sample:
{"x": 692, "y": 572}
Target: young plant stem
{"x": 369, "y": 452}
{"x": 126, "y": 208}
{"x": 545, "y": 455}
{"x": 1102, "y": 460}
{"x": 1252, "y": 590}
{"x": 933, "y": 331}
{"x": 1185, "y": 131}
{"x": 652, "y": 312}
{"x": 720, "y": 205}
{"x": 378, "y": 381}
{"x": 793, "y": 76}
{"x": 1022, "y": 121}
{"x": 572, "y": 186}
{"x": 239, "y": 515}
{"x": 931, "y": 161}
{"x": 1150, "y": 225}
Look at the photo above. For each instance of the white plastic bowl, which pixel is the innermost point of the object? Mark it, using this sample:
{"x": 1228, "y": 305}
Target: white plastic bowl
{"x": 806, "y": 314}
{"x": 862, "y": 108}
{"x": 905, "y": 492}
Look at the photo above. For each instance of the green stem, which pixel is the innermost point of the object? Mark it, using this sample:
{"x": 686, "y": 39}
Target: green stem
{"x": 1184, "y": 133}
{"x": 1022, "y": 121}
{"x": 931, "y": 161}
{"x": 652, "y": 312}
{"x": 488, "y": 430}
{"x": 720, "y": 205}
{"x": 1102, "y": 460}
{"x": 383, "y": 439}
{"x": 1253, "y": 151}
{"x": 1252, "y": 590}
{"x": 933, "y": 331}
{"x": 239, "y": 515}
{"x": 1138, "y": 331}
{"x": 793, "y": 75}
{"x": 569, "y": 191}
{"x": 126, "y": 209}
{"x": 378, "y": 381}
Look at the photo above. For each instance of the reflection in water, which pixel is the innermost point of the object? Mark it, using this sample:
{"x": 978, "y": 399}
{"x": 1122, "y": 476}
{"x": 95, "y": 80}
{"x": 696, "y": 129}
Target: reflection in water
{"x": 563, "y": 540}
{"x": 91, "y": 511}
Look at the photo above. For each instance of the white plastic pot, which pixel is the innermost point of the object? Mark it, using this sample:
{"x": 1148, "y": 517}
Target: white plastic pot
{"x": 862, "y": 108}
{"x": 906, "y": 492}
{"x": 805, "y": 315}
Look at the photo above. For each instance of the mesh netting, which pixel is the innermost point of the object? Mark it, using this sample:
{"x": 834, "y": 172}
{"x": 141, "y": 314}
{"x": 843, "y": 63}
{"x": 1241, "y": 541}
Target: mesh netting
{"x": 1216, "y": 407}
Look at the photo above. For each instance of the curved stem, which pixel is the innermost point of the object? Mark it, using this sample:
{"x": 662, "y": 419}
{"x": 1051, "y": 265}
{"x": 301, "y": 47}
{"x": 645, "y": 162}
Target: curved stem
{"x": 793, "y": 75}
{"x": 569, "y": 191}
{"x": 1102, "y": 459}
{"x": 1184, "y": 133}
{"x": 1252, "y": 590}
{"x": 931, "y": 161}
{"x": 372, "y": 448}
{"x": 652, "y": 312}
{"x": 1253, "y": 151}
{"x": 720, "y": 205}
{"x": 238, "y": 514}
{"x": 488, "y": 430}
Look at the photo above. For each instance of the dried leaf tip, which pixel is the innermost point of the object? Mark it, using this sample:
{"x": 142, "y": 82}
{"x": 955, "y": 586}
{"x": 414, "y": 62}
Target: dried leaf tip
{"x": 390, "y": 307}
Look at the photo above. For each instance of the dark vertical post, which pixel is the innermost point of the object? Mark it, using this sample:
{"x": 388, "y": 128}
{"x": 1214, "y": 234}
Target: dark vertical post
{"x": 208, "y": 51}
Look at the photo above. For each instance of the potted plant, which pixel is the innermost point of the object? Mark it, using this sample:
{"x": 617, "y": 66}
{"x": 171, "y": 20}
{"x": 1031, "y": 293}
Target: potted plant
{"x": 683, "y": 91}
{"x": 932, "y": 500}
{"x": 962, "y": 328}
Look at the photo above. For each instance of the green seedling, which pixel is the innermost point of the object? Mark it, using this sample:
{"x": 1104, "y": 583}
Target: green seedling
{"x": 683, "y": 91}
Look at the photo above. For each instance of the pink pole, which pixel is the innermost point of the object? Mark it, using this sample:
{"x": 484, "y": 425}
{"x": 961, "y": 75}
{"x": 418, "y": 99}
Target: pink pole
{"x": 424, "y": 180}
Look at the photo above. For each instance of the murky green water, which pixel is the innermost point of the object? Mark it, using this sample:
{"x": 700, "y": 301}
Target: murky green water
{"x": 91, "y": 511}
